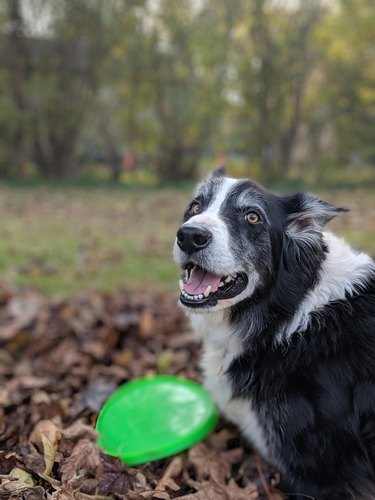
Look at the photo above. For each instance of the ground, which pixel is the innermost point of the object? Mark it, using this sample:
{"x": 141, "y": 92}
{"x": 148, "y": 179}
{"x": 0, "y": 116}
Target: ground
{"x": 60, "y": 360}
{"x": 64, "y": 240}
{"x": 66, "y": 347}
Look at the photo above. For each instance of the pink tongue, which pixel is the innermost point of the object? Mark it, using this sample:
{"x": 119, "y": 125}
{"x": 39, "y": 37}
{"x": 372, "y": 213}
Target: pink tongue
{"x": 199, "y": 281}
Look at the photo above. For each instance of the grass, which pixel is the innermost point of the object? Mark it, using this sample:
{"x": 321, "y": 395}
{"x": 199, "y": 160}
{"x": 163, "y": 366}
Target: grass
{"x": 66, "y": 239}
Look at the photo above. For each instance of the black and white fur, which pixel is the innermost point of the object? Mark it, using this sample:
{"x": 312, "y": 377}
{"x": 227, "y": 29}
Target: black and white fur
{"x": 291, "y": 358}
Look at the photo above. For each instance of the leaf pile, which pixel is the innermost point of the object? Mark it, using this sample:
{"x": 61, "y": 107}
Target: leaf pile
{"x": 59, "y": 362}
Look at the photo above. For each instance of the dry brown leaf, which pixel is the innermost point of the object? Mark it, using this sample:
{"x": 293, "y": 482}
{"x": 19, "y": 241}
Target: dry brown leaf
{"x": 234, "y": 491}
{"x": 25, "y": 307}
{"x": 207, "y": 491}
{"x": 31, "y": 382}
{"x": 173, "y": 470}
{"x": 63, "y": 495}
{"x": 34, "y": 462}
{"x": 7, "y": 462}
{"x": 219, "y": 440}
{"x": 85, "y": 496}
{"x": 208, "y": 463}
{"x": 79, "y": 430}
{"x": 48, "y": 429}
{"x": 146, "y": 324}
{"x": 158, "y": 495}
{"x": 15, "y": 490}
{"x": 114, "y": 477}
{"x": 84, "y": 458}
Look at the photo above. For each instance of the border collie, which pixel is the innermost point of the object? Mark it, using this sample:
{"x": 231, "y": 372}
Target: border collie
{"x": 286, "y": 313}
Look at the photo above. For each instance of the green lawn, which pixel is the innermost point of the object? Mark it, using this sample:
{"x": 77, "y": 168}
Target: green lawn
{"x": 68, "y": 239}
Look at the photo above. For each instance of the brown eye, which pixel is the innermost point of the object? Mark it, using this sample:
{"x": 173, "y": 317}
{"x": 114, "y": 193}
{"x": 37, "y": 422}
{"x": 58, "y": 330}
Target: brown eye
{"x": 195, "y": 208}
{"x": 252, "y": 217}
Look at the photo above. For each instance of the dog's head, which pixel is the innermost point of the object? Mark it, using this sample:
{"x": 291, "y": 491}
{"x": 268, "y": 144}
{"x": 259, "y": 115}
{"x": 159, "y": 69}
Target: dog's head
{"x": 231, "y": 243}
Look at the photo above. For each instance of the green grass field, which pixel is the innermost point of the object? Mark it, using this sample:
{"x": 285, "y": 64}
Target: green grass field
{"x": 68, "y": 239}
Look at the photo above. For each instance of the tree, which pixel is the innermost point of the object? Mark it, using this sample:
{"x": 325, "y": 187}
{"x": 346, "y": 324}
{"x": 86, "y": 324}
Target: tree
{"x": 52, "y": 77}
{"x": 275, "y": 57}
{"x": 346, "y": 87}
{"x": 169, "y": 80}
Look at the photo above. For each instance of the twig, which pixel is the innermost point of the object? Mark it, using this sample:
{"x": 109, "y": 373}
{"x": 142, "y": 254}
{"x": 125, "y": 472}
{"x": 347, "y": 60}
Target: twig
{"x": 258, "y": 464}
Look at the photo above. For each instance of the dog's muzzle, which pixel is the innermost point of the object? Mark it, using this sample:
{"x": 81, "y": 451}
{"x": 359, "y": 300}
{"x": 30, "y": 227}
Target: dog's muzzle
{"x": 200, "y": 286}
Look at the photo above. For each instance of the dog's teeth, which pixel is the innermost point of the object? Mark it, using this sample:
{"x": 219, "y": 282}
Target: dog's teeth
{"x": 206, "y": 293}
{"x": 186, "y": 275}
{"x": 200, "y": 296}
{"x": 221, "y": 284}
{"x": 228, "y": 279}
{"x": 181, "y": 283}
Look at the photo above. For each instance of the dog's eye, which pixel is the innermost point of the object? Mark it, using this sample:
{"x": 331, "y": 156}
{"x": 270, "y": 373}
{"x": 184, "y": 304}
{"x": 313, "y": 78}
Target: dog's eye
{"x": 252, "y": 217}
{"x": 195, "y": 208}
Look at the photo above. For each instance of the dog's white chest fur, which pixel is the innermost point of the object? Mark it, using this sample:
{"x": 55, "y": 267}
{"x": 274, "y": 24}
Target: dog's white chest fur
{"x": 221, "y": 347}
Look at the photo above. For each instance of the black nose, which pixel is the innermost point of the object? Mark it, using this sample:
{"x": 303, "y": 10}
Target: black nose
{"x": 191, "y": 239}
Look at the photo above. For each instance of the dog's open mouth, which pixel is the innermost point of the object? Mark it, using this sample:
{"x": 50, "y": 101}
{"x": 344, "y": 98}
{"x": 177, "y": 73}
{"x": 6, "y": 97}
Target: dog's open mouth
{"x": 200, "y": 287}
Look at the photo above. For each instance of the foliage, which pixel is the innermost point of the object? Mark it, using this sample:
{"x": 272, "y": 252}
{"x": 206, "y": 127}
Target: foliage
{"x": 140, "y": 84}
{"x": 49, "y": 80}
{"x": 348, "y": 76}
{"x": 275, "y": 57}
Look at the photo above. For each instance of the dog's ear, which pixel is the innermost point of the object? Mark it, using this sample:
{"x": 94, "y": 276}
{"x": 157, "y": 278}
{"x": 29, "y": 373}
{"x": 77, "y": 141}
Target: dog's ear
{"x": 308, "y": 214}
{"x": 218, "y": 172}
{"x": 211, "y": 177}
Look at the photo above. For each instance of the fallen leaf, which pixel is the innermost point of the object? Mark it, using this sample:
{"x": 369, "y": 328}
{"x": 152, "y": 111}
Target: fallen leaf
{"x": 85, "y": 457}
{"x": 235, "y": 492}
{"x": 114, "y": 478}
{"x": 146, "y": 324}
{"x": 208, "y": 463}
{"x": 96, "y": 393}
{"x": 33, "y": 461}
{"x": 17, "y": 490}
{"x": 22, "y": 476}
{"x": 79, "y": 430}
{"x": 49, "y": 454}
{"x": 173, "y": 470}
{"x": 164, "y": 361}
{"x": 7, "y": 462}
{"x": 48, "y": 429}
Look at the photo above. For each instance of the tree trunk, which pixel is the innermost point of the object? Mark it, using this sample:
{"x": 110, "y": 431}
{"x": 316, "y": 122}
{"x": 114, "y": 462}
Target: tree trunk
{"x": 19, "y": 72}
{"x": 178, "y": 164}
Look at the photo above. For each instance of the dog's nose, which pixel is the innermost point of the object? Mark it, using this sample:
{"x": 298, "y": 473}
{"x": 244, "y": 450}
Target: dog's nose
{"x": 191, "y": 239}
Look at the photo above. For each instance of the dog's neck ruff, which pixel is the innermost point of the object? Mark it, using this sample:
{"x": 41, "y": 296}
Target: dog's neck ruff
{"x": 343, "y": 273}
{"x": 221, "y": 347}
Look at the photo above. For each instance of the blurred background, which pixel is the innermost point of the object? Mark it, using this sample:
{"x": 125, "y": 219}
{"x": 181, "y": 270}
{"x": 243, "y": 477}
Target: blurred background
{"x": 110, "y": 110}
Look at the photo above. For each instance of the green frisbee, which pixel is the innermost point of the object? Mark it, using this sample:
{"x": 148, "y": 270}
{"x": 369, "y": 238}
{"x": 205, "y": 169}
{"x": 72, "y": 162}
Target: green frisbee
{"x": 155, "y": 417}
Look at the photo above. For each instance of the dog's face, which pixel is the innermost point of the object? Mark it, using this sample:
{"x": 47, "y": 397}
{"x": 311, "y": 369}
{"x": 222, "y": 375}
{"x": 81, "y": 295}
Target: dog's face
{"x": 230, "y": 243}
{"x": 225, "y": 243}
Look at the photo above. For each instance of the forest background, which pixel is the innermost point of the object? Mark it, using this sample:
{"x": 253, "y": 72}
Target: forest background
{"x": 111, "y": 109}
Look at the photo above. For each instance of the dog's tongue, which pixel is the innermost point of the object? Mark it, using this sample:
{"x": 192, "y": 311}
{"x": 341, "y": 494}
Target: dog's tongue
{"x": 199, "y": 281}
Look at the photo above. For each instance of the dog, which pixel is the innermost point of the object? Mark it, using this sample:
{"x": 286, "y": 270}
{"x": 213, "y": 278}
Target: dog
{"x": 286, "y": 313}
